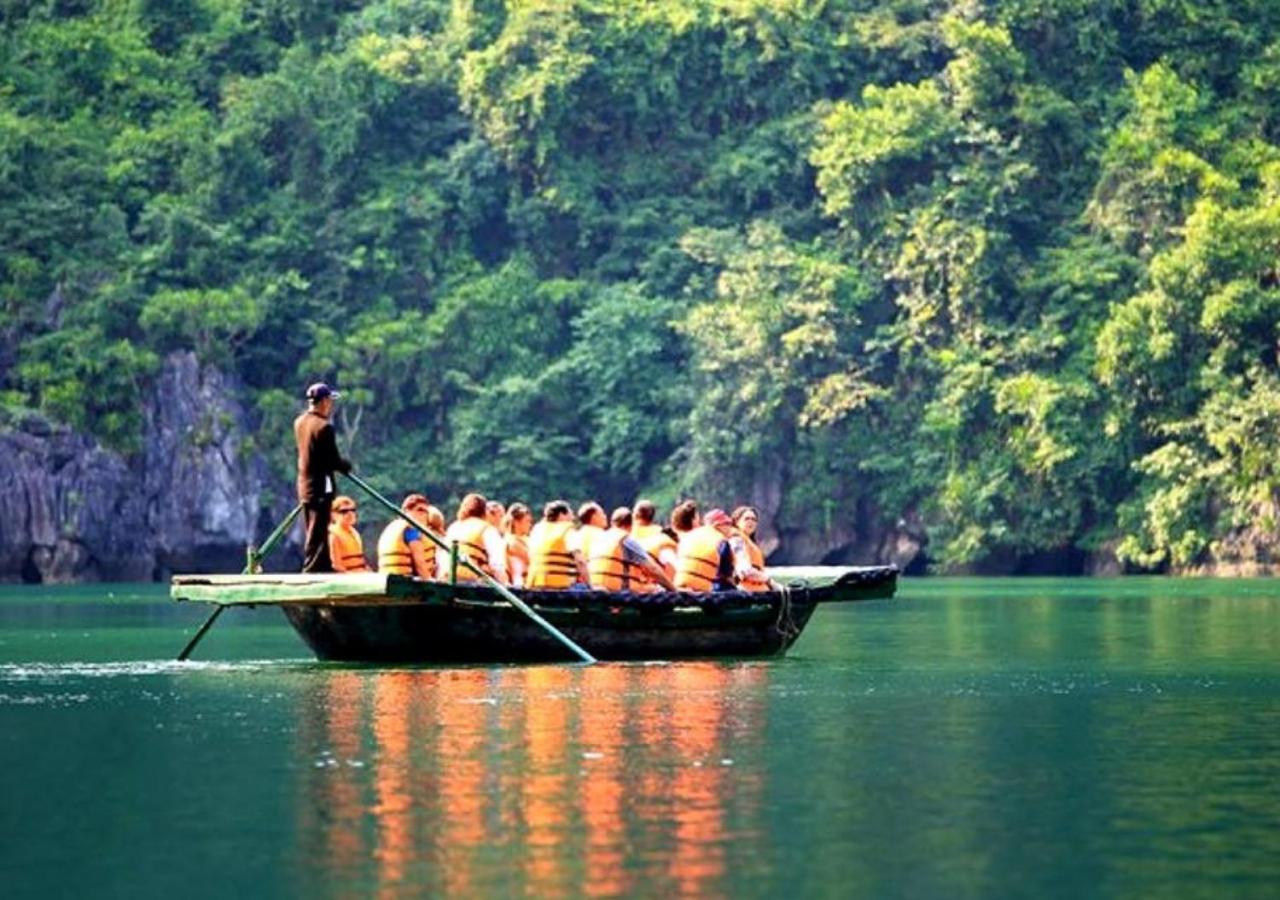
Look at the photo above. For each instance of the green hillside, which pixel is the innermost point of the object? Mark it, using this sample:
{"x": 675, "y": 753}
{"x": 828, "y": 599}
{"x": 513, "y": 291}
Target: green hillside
{"x": 1006, "y": 271}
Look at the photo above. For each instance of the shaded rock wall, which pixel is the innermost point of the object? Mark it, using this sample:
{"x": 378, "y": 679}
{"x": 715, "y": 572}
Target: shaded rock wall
{"x": 204, "y": 485}
{"x": 71, "y": 510}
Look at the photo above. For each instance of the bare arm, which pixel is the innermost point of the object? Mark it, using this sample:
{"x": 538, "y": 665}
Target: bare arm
{"x": 421, "y": 566}
{"x": 657, "y": 573}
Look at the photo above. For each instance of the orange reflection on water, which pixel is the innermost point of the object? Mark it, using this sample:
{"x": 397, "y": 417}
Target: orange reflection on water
{"x": 602, "y": 780}
{"x": 463, "y": 700}
{"x": 393, "y": 790}
{"x": 546, "y": 800}
{"x": 601, "y": 789}
{"x": 698, "y": 789}
{"x": 344, "y": 806}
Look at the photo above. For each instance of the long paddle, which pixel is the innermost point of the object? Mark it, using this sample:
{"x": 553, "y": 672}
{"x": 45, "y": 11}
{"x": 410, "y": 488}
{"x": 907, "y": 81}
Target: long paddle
{"x": 255, "y": 556}
{"x": 488, "y": 579}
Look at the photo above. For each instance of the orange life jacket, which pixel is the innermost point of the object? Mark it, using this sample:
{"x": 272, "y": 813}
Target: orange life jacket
{"x": 586, "y": 535}
{"x": 699, "y": 560}
{"x": 654, "y": 540}
{"x": 394, "y": 556}
{"x": 609, "y": 568}
{"x": 551, "y": 563}
{"x": 469, "y": 533}
{"x": 347, "y": 549}
{"x": 756, "y": 556}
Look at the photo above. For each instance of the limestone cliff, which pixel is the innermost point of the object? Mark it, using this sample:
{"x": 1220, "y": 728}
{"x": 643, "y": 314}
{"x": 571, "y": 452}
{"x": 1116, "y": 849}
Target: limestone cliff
{"x": 71, "y": 510}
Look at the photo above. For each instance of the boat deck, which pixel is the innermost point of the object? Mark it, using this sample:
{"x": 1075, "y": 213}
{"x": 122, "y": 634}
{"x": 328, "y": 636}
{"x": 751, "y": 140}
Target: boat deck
{"x": 822, "y": 583}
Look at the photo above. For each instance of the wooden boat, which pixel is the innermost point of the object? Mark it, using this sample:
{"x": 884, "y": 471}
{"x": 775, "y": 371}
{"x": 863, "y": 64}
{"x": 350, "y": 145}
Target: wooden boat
{"x": 396, "y": 618}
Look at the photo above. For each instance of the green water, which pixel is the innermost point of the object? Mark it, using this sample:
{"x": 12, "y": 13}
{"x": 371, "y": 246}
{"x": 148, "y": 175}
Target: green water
{"x": 971, "y": 739}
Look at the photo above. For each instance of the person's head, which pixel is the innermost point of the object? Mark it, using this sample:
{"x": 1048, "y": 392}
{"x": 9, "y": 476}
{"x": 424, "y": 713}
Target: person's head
{"x": 556, "y": 511}
{"x": 719, "y": 520}
{"x": 747, "y": 519}
{"x": 621, "y": 518}
{"x": 415, "y": 506}
{"x": 472, "y": 507}
{"x": 320, "y": 398}
{"x": 645, "y": 512}
{"x": 435, "y": 519}
{"x": 685, "y": 516}
{"x": 493, "y": 513}
{"x": 592, "y": 513}
{"x": 344, "y": 510}
{"x": 518, "y": 520}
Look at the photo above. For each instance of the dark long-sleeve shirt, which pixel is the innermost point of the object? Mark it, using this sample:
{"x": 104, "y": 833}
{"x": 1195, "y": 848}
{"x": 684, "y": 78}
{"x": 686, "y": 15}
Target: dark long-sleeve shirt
{"x": 318, "y": 456}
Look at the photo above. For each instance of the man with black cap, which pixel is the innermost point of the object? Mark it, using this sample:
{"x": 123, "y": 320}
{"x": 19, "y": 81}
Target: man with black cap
{"x": 318, "y": 461}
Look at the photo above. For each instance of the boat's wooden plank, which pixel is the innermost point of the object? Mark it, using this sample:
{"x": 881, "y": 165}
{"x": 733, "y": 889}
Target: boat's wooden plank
{"x": 360, "y": 580}
{"x": 273, "y": 589}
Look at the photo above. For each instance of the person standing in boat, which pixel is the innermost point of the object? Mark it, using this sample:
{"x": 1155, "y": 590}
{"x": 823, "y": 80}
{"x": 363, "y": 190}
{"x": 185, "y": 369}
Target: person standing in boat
{"x": 706, "y": 558}
{"x": 318, "y": 462}
{"x": 346, "y": 547}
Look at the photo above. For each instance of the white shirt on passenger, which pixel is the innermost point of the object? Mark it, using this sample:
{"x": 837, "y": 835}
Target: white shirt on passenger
{"x": 494, "y": 545}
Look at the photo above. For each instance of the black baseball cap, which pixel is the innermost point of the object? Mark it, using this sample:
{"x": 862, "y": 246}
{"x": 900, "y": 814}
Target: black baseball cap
{"x": 321, "y": 391}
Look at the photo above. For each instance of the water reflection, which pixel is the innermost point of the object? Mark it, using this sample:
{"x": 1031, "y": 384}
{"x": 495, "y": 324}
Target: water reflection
{"x": 534, "y": 780}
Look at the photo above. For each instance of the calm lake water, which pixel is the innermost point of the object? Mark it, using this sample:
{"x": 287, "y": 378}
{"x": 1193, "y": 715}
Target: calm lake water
{"x": 973, "y": 738}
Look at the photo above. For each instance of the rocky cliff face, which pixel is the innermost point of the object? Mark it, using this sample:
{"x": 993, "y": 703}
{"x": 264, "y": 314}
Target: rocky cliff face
{"x": 73, "y": 511}
{"x": 203, "y": 484}
{"x": 865, "y": 536}
{"x": 69, "y": 510}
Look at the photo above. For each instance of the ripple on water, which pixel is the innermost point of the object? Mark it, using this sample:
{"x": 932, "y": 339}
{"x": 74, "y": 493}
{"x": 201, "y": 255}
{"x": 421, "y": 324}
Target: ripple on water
{"x": 42, "y": 699}
{"x": 18, "y": 672}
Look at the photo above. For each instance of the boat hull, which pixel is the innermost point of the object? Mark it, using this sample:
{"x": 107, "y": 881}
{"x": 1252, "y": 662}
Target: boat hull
{"x": 378, "y": 617}
{"x": 489, "y": 634}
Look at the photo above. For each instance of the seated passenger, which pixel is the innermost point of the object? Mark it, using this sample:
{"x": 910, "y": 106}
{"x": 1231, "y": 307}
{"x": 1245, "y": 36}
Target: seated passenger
{"x": 403, "y": 549}
{"x": 494, "y": 513}
{"x": 346, "y": 547}
{"x": 748, "y": 558}
{"x": 552, "y": 562}
{"x": 435, "y": 521}
{"x": 619, "y": 563}
{"x": 660, "y": 545}
{"x": 591, "y": 524}
{"x": 478, "y": 541}
{"x": 516, "y": 525}
{"x": 684, "y": 518}
{"x": 706, "y": 559}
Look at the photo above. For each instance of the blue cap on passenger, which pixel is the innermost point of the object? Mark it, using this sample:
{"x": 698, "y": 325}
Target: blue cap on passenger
{"x": 321, "y": 391}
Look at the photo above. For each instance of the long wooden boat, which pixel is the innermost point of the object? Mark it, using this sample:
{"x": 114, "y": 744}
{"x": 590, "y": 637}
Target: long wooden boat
{"x": 396, "y": 618}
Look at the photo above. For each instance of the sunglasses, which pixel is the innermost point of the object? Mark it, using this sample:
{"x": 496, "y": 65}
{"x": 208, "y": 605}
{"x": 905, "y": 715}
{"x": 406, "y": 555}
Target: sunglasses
{"x": 345, "y": 509}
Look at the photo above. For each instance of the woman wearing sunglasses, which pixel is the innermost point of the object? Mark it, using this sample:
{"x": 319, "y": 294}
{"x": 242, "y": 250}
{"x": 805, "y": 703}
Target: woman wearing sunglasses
{"x": 346, "y": 549}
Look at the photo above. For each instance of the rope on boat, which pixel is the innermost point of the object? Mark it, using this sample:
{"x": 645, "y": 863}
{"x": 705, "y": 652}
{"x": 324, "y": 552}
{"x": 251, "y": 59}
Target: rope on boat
{"x": 786, "y": 623}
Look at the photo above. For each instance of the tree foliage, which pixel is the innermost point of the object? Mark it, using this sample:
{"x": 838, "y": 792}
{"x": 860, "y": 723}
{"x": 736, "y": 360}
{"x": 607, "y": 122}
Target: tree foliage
{"x": 1005, "y": 270}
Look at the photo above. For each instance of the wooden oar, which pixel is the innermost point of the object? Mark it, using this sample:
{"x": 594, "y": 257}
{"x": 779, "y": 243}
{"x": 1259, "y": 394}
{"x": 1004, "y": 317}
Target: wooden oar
{"x": 255, "y": 556}
{"x": 488, "y": 579}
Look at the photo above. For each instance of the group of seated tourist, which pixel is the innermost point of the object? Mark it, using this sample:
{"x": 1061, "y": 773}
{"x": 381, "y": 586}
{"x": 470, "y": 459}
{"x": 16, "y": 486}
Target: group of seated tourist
{"x": 626, "y": 551}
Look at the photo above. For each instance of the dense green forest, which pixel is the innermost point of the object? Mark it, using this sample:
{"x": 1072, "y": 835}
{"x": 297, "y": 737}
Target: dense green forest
{"x": 1009, "y": 271}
